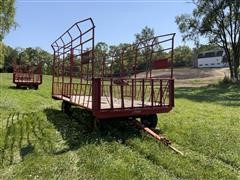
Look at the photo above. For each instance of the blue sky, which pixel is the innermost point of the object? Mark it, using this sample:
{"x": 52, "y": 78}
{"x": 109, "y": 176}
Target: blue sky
{"x": 42, "y": 21}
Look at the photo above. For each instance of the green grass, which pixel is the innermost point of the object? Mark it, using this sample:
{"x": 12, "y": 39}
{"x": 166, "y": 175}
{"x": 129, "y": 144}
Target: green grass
{"x": 38, "y": 141}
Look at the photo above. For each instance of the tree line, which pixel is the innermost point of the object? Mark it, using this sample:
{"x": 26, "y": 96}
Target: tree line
{"x": 33, "y": 56}
{"x": 183, "y": 55}
{"x": 30, "y": 56}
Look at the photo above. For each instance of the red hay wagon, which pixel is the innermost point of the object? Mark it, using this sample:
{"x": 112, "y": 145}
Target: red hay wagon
{"x": 117, "y": 84}
{"x": 27, "y": 75}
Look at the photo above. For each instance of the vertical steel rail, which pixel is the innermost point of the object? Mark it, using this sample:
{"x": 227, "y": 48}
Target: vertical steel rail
{"x": 152, "y": 91}
{"x": 81, "y": 64}
{"x": 96, "y": 94}
{"x": 41, "y": 73}
{"x": 121, "y": 84}
{"x": 172, "y": 55}
{"x": 63, "y": 55}
{"x": 132, "y": 93}
{"x": 151, "y": 57}
{"x": 171, "y": 93}
{"x": 135, "y": 63}
{"x": 161, "y": 93}
{"x": 53, "y": 69}
{"x": 80, "y": 74}
{"x": 143, "y": 92}
{"x": 93, "y": 53}
{"x": 111, "y": 93}
{"x": 37, "y": 72}
{"x": 71, "y": 64}
{"x": 58, "y": 65}
{"x": 93, "y": 69}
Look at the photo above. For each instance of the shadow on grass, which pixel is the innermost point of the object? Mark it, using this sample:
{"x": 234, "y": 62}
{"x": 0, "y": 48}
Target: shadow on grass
{"x": 18, "y": 88}
{"x": 21, "y": 133}
{"x": 227, "y": 95}
{"x": 78, "y": 128}
{"x": 27, "y": 133}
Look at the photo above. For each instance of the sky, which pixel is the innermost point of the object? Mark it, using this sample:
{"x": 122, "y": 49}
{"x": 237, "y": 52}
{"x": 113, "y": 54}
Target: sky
{"x": 40, "y": 22}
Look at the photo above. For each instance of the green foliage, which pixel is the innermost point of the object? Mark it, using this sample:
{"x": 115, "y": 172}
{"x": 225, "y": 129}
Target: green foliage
{"x": 7, "y": 14}
{"x": 2, "y": 54}
{"x": 101, "y": 47}
{"x": 143, "y": 39}
{"x": 206, "y": 47}
{"x": 146, "y": 33}
{"x": 218, "y": 21}
{"x": 182, "y": 56}
{"x": 32, "y": 56}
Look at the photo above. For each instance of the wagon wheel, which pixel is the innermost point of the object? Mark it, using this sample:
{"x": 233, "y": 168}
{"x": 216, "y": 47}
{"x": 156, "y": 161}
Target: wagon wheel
{"x": 149, "y": 121}
{"x": 36, "y": 87}
{"x": 66, "y": 106}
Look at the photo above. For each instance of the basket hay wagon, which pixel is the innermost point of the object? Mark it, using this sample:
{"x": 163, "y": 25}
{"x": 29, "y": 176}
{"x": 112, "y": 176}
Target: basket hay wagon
{"x": 27, "y": 75}
{"x": 119, "y": 84}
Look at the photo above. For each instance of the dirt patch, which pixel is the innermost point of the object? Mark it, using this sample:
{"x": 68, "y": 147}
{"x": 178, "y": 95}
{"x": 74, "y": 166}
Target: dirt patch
{"x": 188, "y": 77}
{"x": 192, "y": 73}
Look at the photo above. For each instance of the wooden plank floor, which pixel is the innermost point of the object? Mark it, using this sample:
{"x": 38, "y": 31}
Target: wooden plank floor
{"x": 105, "y": 101}
{"x": 28, "y": 81}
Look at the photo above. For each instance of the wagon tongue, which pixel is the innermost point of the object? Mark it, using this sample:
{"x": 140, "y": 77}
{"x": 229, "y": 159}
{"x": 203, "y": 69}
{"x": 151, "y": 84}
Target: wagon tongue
{"x": 157, "y": 136}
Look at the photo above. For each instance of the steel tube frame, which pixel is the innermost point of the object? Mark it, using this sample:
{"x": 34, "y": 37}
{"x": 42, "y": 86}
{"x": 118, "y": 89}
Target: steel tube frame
{"x": 103, "y": 83}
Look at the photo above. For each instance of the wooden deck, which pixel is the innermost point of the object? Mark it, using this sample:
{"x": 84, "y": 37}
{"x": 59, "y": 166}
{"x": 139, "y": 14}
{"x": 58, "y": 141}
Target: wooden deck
{"x": 27, "y": 81}
{"x": 86, "y": 101}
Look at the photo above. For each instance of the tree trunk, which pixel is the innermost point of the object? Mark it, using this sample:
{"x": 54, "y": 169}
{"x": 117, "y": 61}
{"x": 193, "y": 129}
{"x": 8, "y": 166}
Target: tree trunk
{"x": 236, "y": 64}
{"x": 235, "y": 74}
{"x": 229, "y": 63}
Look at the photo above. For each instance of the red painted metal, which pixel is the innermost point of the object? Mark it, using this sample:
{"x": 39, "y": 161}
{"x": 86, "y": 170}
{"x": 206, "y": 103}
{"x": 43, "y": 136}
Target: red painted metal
{"x": 27, "y": 75}
{"x": 118, "y": 84}
{"x": 158, "y": 137}
{"x": 161, "y": 64}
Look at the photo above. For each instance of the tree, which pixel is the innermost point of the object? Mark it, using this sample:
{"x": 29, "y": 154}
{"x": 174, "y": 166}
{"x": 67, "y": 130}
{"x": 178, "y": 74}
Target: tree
{"x": 10, "y": 57}
{"x": 120, "y": 58}
{"x": 101, "y": 50}
{"x": 101, "y": 47}
{"x": 7, "y": 14}
{"x": 219, "y": 22}
{"x": 144, "y": 40}
{"x": 2, "y": 55}
{"x": 182, "y": 56}
{"x": 145, "y": 34}
{"x": 28, "y": 56}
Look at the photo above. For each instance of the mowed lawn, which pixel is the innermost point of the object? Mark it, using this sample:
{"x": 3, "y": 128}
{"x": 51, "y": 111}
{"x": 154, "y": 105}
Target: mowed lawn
{"x": 38, "y": 141}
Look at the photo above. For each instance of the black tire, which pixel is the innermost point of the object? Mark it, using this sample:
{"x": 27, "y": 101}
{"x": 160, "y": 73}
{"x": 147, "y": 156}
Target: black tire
{"x": 150, "y": 121}
{"x": 36, "y": 87}
{"x": 66, "y": 106}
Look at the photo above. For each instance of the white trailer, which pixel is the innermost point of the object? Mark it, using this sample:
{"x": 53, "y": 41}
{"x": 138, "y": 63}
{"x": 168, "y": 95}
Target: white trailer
{"x": 214, "y": 58}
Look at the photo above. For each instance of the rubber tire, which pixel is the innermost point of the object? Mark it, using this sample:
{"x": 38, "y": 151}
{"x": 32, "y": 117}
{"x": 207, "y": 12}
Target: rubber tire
{"x": 150, "y": 121}
{"x": 36, "y": 87}
{"x": 66, "y": 106}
